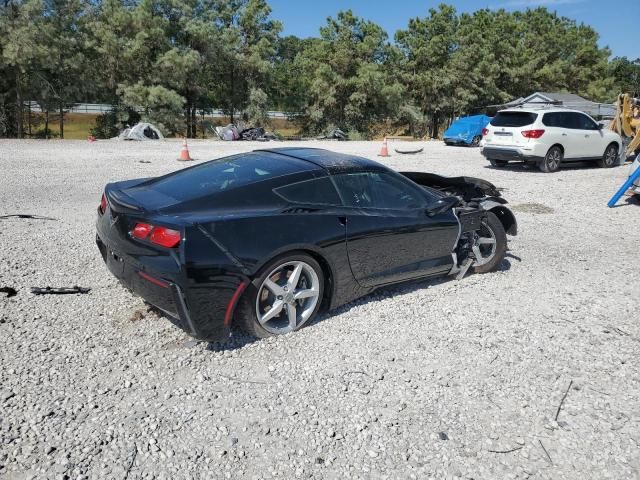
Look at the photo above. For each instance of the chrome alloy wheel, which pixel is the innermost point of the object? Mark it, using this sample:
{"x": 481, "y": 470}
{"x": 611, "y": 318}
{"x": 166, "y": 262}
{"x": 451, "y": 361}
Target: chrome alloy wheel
{"x": 484, "y": 246}
{"x": 553, "y": 159}
{"x": 610, "y": 156}
{"x": 287, "y": 297}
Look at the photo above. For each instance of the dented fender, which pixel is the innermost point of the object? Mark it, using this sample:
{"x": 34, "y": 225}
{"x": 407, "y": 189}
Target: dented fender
{"x": 496, "y": 205}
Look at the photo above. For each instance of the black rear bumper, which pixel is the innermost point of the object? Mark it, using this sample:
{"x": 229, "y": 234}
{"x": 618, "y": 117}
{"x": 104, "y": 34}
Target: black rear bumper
{"x": 199, "y": 310}
{"x": 508, "y": 155}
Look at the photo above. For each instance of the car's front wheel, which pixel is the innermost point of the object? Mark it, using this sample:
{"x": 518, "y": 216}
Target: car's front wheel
{"x": 551, "y": 161}
{"x": 489, "y": 245}
{"x": 283, "y": 297}
{"x": 610, "y": 156}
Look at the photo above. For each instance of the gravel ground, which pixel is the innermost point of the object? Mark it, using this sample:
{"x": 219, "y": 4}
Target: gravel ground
{"x": 438, "y": 379}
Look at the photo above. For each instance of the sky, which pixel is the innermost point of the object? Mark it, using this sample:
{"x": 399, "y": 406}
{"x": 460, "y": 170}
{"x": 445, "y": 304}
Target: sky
{"x": 617, "y": 21}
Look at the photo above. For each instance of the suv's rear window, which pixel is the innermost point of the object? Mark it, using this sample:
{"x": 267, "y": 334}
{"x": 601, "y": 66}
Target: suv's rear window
{"x": 226, "y": 174}
{"x": 513, "y": 119}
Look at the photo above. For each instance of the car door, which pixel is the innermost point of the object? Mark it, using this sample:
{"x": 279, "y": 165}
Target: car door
{"x": 390, "y": 238}
{"x": 591, "y": 144}
{"x": 555, "y": 129}
{"x": 571, "y": 137}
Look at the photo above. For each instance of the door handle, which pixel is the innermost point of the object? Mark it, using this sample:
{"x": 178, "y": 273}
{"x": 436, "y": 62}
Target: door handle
{"x": 586, "y": 136}
{"x": 564, "y": 134}
{"x": 342, "y": 221}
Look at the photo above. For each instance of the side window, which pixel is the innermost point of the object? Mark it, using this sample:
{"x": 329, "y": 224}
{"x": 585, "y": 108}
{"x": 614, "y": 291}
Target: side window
{"x": 585, "y": 123}
{"x": 552, "y": 119}
{"x": 569, "y": 120}
{"x": 379, "y": 190}
{"x": 318, "y": 191}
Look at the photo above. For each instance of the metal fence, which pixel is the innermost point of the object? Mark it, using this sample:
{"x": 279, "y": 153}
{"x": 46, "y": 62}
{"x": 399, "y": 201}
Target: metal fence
{"x": 98, "y": 108}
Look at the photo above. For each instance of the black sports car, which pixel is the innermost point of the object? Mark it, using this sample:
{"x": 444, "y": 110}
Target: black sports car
{"x": 267, "y": 238}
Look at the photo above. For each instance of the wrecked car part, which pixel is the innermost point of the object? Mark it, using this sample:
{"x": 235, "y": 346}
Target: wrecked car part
{"x": 409, "y": 152}
{"x": 11, "y": 292}
{"x": 335, "y": 134}
{"x": 59, "y": 291}
{"x": 27, "y": 215}
{"x": 141, "y": 131}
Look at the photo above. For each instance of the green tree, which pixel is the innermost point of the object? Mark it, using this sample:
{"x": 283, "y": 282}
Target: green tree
{"x": 349, "y": 86}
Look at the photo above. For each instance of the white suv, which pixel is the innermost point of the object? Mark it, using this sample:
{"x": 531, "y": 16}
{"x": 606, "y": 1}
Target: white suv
{"x": 548, "y": 137}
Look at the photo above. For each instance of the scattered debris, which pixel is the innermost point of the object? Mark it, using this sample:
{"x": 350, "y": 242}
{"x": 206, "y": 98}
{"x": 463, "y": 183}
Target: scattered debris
{"x": 144, "y": 161}
{"x": 409, "y": 152}
{"x": 335, "y": 134}
{"x": 59, "y": 291}
{"x": 228, "y": 133}
{"x": 133, "y": 460}
{"x": 231, "y": 133}
{"x": 545, "y": 451}
{"x": 563, "y": 399}
{"x": 27, "y": 215}
{"x": 520, "y": 447}
{"x": 141, "y": 131}
{"x": 443, "y": 436}
{"x": 11, "y": 292}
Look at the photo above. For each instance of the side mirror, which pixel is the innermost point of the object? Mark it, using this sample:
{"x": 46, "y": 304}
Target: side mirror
{"x": 443, "y": 205}
{"x": 600, "y": 126}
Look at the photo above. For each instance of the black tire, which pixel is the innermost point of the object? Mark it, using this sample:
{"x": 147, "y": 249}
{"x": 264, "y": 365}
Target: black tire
{"x": 497, "y": 229}
{"x": 246, "y": 316}
{"x": 497, "y": 163}
{"x": 476, "y": 141}
{"x": 552, "y": 160}
{"x": 610, "y": 156}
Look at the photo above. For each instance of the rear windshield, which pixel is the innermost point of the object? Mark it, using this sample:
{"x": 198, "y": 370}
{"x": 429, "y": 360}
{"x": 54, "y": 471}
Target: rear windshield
{"x": 225, "y": 174}
{"x": 513, "y": 119}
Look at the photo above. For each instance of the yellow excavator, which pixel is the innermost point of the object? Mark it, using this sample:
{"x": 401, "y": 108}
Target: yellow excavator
{"x": 626, "y": 123}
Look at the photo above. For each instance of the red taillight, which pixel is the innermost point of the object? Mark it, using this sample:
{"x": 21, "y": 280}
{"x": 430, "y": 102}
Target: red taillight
{"x": 141, "y": 230}
{"x": 485, "y": 131}
{"x": 162, "y": 236}
{"x": 165, "y": 237}
{"x": 103, "y": 204}
{"x": 532, "y": 133}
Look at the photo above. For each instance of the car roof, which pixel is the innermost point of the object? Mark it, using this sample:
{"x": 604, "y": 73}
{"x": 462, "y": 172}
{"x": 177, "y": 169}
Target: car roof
{"x": 331, "y": 161}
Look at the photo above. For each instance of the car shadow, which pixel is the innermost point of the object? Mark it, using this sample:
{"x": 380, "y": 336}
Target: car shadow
{"x": 519, "y": 167}
{"x": 239, "y": 339}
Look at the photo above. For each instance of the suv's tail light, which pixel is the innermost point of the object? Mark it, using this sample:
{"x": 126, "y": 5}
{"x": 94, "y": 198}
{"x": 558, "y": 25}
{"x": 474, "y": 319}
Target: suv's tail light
{"x": 162, "y": 236}
{"x": 532, "y": 133}
{"x": 485, "y": 131}
{"x": 103, "y": 204}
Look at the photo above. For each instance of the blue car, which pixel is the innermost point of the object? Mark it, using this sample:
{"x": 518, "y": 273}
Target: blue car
{"x": 466, "y": 130}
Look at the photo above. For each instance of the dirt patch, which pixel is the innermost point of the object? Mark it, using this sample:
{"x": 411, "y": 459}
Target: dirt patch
{"x": 535, "y": 208}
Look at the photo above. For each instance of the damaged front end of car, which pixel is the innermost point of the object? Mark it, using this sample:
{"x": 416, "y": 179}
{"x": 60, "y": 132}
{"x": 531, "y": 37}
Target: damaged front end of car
{"x": 475, "y": 202}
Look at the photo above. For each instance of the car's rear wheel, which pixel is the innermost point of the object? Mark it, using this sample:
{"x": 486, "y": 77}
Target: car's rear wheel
{"x": 497, "y": 163}
{"x": 489, "y": 246}
{"x": 476, "y": 141}
{"x": 285, "y": 296}
{"x": 610, "y": 156}
{"x": 551, "y": 161}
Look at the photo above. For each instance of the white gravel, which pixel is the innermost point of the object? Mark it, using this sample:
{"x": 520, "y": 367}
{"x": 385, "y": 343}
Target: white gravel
{"x": 438, "y": 379}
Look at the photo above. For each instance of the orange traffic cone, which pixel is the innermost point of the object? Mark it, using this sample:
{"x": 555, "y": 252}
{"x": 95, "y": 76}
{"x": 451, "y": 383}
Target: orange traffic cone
{"x": 384, "y": 151}
{"x": 184, "y": 153}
